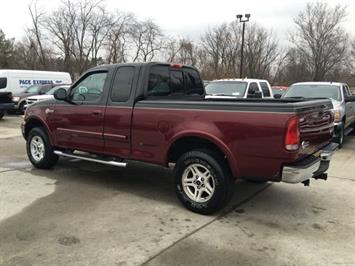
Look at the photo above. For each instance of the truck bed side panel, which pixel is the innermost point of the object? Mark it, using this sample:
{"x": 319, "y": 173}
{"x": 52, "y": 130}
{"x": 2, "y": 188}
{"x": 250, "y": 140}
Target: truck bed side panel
{"x": 252, "y": 140}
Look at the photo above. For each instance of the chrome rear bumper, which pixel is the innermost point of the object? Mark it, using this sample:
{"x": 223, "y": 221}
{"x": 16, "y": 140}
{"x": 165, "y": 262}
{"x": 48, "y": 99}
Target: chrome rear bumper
{"x": 314, "y": 166}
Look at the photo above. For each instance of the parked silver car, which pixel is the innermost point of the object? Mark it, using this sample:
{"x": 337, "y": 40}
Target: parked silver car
{"x": 341, "y": 96}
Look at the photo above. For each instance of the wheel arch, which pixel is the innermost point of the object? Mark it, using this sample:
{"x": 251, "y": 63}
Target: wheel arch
{"x": 34, "y": 122}
{"x": 193, "y": 141}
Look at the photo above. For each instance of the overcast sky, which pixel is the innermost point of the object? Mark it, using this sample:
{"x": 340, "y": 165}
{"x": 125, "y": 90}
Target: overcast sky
{"x": 185, "y": 17}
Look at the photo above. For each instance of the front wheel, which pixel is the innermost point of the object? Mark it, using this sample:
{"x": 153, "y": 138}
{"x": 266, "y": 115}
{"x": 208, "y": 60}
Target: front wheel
{"x": 39, "y": 149}
{"x": 203, "y": 182}
{"x": 340, "y": 136}
{"x": 21, "y": 109}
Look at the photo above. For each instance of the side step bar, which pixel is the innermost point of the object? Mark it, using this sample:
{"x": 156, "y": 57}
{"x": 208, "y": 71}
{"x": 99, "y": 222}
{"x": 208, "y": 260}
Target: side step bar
{"x": 88, "y": 158}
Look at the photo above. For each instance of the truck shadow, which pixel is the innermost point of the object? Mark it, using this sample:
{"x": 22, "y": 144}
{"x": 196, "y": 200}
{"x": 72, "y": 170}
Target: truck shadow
{"x": 85, "y": 191}
{"x": 145, "y": 181}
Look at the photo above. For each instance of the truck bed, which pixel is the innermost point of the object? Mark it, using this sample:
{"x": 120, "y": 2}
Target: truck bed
{"x": 252, "y": 129}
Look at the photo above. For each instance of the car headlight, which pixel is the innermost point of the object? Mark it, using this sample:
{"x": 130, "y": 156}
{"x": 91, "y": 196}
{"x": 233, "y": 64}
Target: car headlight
{"x": 15, "y": 99}
{"x": 337, "y": 116}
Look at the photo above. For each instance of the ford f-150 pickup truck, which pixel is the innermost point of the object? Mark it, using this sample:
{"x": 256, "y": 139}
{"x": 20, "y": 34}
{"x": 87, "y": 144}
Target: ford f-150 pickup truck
{"x": 157, "y": 113}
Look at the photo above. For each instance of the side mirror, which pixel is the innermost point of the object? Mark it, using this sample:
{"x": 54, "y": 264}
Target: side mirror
{"x": 277, "y": 96}
{"x": 60, "y": 94}
{"x": 41, "y": 92}
{"x": 350, "y": 99}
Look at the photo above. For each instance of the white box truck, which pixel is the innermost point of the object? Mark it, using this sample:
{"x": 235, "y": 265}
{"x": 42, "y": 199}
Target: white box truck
{"x": 17, "y": 81}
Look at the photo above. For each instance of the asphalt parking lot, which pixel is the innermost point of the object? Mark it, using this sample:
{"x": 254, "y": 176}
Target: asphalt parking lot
{"x": 82, "y": 213}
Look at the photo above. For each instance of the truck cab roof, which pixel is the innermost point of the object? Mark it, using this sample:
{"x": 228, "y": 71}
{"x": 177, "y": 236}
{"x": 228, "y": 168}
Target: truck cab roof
{"x": 320, "y": 83}
{"x": 245, "y": 80}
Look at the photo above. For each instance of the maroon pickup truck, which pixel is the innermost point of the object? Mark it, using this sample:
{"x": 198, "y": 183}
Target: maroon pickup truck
{"x": 157, "y": 113}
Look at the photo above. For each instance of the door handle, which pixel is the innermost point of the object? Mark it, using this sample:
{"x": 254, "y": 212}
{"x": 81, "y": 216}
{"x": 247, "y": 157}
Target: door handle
{"x": 49, "y": 111}
{"x": 97, "y": 112}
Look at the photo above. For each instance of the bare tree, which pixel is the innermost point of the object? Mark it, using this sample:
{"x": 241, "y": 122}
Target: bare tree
{"x": 294, "y": 69}
{"x": 118, "y": 39}
{"x": 180, "y": 50}
{"x": 279, "y": 65}
{"x": 352, "y": 57}
{"x": 99, "y": 29}
{"x": 320, "y": 38}
{"x": 60, "y": 25}
{"x": 35, "y": 33}
{"x": 221, "y": 47}
{"x": 6, "y": 51}
{"x": 261, "y": 52}
{"x": 171, "y": 49}
{"x": 84, "y": 16}
{"x": 147, "y": 39}
{"x": 79, "y": 30}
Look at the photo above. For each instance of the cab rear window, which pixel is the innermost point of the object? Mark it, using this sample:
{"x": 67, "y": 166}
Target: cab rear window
{"x": 265, "y": 89}
{"x": 168, "y": 81}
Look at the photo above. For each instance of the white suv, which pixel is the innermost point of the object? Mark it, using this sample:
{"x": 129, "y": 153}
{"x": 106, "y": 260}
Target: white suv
{"x": 238, "y": 88}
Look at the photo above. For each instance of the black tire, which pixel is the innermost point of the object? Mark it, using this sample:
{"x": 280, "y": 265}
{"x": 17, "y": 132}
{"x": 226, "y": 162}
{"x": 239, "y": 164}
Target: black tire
{"x": 49, "y": 159}
{"x": 222, "y": 180}
{"x": 2, "y": 113}
{"x": 340, "y": 136}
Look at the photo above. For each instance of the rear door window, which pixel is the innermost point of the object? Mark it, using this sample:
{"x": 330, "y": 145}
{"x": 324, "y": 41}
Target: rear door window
{"x": 122, "y": 85}
{"x": 193, "y": 82}
{"x": 159, "y": 80}
{"x": 345, "y": 91}
{"x": 177, "y": 82}
{"x": 265, "y": 89}
{"x": 3, "y": 83}
{"x": 348, "y": 90}
{"x": 168, "y": 81}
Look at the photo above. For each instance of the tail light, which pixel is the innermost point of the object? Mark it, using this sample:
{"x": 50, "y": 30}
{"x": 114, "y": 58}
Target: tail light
{"x": 173, "y": 65}
{"x": 292, "y": 138}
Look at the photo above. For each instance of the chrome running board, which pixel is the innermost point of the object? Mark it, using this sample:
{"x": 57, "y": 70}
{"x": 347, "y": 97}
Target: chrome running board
{"x": 90, "y": 159}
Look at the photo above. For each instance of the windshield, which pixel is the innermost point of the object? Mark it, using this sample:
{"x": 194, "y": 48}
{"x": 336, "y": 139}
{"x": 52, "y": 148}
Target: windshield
{"x": 228, "y": 88}
{"x": 32, "y": 89}
{"x": 314, "y": 91}
{"x": 278, "y": 91}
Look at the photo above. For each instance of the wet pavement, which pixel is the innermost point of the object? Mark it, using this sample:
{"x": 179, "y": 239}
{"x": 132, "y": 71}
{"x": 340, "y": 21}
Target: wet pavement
{"x": 82, "y": 213}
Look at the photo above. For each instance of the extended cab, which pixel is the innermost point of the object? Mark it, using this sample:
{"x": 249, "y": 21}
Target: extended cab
{"x": 157, "y": 113}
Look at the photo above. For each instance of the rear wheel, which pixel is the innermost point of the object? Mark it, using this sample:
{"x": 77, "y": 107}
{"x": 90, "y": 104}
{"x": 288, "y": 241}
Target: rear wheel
{"x": 203, "y": 181}
{"x": 2, "y": 113}
{"x": 39, "y": 149}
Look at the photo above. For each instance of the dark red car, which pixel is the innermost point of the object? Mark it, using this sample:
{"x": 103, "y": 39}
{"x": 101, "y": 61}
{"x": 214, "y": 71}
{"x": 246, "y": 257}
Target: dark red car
{"x": 157, "y": 113}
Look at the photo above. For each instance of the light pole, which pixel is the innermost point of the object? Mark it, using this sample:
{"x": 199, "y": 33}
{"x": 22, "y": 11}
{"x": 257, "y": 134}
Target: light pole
{"x": 242, "y": 20}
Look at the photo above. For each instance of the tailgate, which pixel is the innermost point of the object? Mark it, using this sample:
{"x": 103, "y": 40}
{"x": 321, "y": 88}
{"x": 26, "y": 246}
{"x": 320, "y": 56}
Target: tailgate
{"x": 316, "y": 129}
